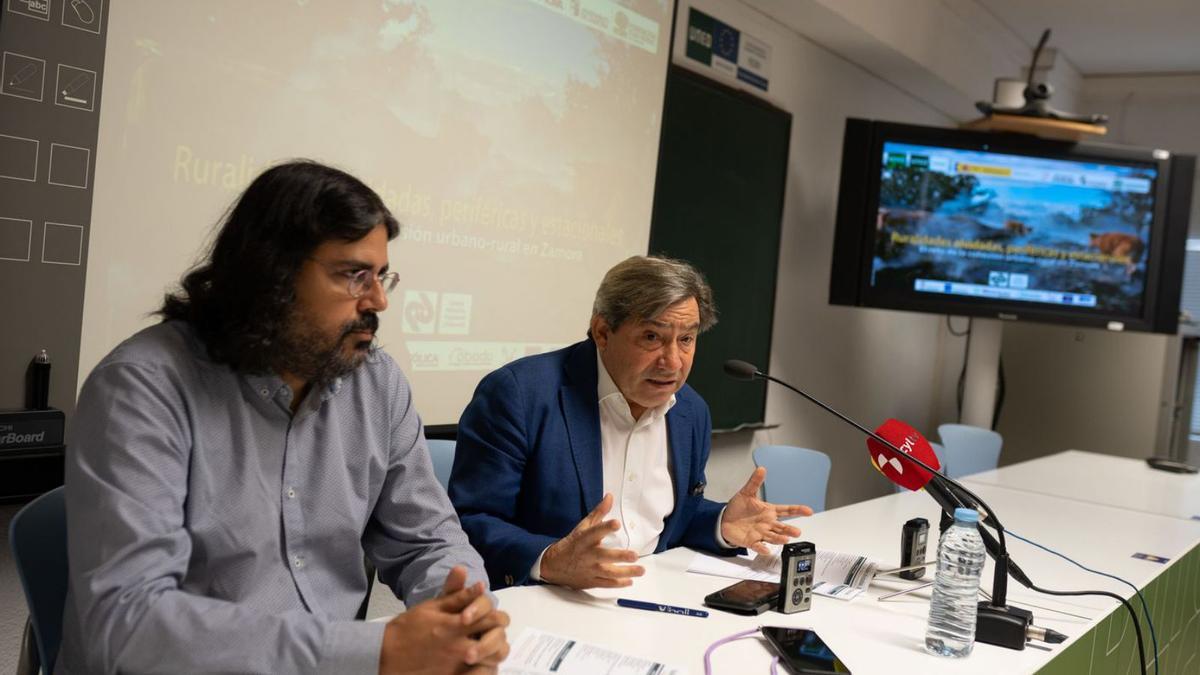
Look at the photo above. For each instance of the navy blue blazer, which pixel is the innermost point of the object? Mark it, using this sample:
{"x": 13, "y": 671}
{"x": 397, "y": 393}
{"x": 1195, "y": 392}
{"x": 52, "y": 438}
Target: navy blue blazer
{"x": 528, "y": 467}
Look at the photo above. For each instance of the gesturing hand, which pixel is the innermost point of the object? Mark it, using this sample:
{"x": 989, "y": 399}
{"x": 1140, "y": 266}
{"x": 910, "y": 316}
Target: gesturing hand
{"x": 459, "y": 630}
{"x": 749, "y": 521}
{"x": 579, "y": 560}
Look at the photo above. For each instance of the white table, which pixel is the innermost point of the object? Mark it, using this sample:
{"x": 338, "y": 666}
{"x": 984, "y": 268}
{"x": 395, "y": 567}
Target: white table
{"x": 1101, "y": 479}
{"x": 872, "y": 636}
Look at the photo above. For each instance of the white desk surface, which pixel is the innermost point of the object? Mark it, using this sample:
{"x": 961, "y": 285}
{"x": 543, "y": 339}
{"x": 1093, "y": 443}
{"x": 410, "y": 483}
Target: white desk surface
{"x": 1123, "y": 482}
{"x": 872, "y": 636}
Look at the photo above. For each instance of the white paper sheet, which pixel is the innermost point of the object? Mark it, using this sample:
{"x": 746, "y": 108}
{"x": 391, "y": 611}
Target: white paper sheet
{"x": 538, "y": 653}
{"x": 835, "y": 575}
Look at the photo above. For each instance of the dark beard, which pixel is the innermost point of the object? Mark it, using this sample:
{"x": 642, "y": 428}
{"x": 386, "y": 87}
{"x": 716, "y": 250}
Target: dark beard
{"x": 303, "y": 351}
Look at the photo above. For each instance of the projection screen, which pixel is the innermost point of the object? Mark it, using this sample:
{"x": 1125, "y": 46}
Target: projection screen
{"x": 515, "y": 140}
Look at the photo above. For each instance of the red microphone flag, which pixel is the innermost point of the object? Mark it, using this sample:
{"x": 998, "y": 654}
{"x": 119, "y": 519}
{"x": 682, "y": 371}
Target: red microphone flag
{"x": 897, "y": 469}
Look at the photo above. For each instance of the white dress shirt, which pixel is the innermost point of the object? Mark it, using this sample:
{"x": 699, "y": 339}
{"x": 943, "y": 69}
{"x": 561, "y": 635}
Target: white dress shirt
{"x": 637, "y": 471}
{"x": 636, "y": 459}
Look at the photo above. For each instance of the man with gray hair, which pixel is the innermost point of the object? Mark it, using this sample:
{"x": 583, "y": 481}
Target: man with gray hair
{"x": 551, "y": 444}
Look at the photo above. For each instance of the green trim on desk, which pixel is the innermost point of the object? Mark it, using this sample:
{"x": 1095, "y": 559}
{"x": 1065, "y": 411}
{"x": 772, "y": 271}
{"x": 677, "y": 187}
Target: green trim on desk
{"x": 1111, "y": 647}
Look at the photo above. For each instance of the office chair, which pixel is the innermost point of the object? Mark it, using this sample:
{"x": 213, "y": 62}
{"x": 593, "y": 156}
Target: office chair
{"x": 940, "y": 452}
{"x": 442, "y": 454}
{"x": 38, "y": 538}
{"x": 970, "y": 449}
{"x": 794, "y": 475}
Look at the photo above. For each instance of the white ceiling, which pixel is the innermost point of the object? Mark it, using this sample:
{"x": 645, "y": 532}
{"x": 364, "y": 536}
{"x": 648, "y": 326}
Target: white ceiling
{"x": 1106, "y": 37}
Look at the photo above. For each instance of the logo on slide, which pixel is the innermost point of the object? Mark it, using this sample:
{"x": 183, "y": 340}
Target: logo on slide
{"x": 420, "y": 312}
{"x": 430, "y": 312}
{"x": 455, "y": 315}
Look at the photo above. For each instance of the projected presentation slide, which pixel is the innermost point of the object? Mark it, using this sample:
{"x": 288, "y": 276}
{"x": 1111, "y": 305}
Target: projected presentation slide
{"x": 1013, "y": 228}
{"x": 515, "y": 140}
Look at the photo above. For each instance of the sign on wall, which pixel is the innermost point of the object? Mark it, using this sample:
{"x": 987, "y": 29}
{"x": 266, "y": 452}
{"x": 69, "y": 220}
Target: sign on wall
{"x": 51, "y": 67}
{"x": 728, "y": 51}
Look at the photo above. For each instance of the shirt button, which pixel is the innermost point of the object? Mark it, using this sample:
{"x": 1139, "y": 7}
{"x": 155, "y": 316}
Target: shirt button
{"x": 298, "y": 562}
{"x": 291, "y": 493}
{"x": 633, "y": 477}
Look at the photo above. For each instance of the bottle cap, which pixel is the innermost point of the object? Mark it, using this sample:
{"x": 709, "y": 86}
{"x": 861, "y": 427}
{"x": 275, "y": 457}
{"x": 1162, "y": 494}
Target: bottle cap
{"x": 42, "y": 357}
{"x": 966, "y": 515}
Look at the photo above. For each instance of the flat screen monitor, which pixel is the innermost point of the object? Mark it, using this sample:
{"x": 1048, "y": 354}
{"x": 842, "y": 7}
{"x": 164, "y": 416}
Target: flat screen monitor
{"x": 1010, "y": 226}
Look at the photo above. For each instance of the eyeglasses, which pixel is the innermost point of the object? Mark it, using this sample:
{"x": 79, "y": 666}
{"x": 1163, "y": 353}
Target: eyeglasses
{"x": 359, "y": 283}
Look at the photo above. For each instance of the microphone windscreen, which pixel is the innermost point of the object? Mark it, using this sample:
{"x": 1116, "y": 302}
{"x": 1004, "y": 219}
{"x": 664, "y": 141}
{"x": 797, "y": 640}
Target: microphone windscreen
{"x": 897, "y": 469}
{"x": 740, "y": 370}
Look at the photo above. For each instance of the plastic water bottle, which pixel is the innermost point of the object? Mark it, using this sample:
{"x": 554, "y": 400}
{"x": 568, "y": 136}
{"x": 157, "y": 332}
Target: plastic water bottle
{"x": 952, "y": 611}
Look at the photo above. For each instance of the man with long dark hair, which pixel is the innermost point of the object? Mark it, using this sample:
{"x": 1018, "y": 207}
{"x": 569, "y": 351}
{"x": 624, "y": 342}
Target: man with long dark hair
{"x": 230, "y": 466}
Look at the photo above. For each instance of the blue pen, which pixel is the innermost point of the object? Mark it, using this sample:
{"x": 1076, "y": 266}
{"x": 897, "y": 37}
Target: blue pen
{"x": 659, "y": 607}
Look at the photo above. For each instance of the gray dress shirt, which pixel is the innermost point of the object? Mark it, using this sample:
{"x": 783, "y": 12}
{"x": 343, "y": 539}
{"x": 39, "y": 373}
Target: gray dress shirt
{"x": 210, "y": 530}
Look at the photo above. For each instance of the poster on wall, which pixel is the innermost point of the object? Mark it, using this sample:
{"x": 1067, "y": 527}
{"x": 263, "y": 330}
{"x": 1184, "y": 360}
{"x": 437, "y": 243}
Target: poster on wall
{"x": 728, "y": 51}
{"x": 52, "y": 57}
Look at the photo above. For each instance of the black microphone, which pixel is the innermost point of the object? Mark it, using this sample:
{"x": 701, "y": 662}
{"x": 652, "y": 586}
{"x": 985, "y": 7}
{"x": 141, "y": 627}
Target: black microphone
{"x": 740, "y": 370}
{"x": 942, "y": 492}
{"x": 997, "y": 623}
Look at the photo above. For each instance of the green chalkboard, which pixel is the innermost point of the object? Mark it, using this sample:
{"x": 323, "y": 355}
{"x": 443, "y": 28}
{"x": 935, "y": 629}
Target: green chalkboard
{"x": 718, "y": 203}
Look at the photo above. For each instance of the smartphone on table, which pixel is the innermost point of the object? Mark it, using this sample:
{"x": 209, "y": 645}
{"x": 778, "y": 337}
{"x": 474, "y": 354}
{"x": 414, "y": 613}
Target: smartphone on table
{"x": 803, "y": 652}
{"x": 745, "y": 597}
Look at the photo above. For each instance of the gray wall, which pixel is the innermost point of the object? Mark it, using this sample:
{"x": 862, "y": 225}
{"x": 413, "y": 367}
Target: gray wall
{"x": 1066, "y": 388}
{"x": 1092, "y": 389}
{"x": 1088, "y": 389}
{"x": 830, "y": 61}
{"x": 53, "y": 60}
{"x": 871, "y": 364}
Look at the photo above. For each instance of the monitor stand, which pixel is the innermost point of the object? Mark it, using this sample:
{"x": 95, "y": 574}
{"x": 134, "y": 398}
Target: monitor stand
{"x": 983, "y": 362}
{"x": 1163, "y": 464}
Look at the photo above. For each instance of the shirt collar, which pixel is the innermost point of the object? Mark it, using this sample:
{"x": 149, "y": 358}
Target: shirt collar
{"x": 265, "y": 385}
{"x": 270, "y": 386}
{"x": 606, "y": 389}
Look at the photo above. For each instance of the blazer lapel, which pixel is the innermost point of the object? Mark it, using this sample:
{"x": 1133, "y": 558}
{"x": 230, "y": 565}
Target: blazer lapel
{"x": 581, "y": 412}
{"x": 679, "y": 434}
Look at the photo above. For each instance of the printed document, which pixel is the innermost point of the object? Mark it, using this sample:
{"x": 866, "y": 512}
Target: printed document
{"x": 836, "y": 575}
{"x": 539, "y": 653}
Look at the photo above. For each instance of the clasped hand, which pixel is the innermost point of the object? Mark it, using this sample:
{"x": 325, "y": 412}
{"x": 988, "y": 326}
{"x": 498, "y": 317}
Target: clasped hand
{"x": 459, "y": 631}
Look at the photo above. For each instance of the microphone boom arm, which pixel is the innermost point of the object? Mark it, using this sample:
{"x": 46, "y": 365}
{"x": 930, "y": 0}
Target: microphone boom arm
{"x": 972, "y": 501}
{"x": 997, "y": 623}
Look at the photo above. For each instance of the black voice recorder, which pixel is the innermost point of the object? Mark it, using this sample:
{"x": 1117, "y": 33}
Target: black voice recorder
{"x": 913, "y": 539}
{"x": 799, "y": 560}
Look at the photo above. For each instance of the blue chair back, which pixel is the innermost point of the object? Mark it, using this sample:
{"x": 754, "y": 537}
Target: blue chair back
{"x": 970, "y": 449}
{"x": 442, "y": 454}
{"x": 940, "y": 452}
{"x": 38, "y": 537}
{"x": 794, "y": 475}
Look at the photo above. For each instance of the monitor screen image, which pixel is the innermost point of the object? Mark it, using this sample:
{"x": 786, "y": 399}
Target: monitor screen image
{"x": 1010, "y": 227}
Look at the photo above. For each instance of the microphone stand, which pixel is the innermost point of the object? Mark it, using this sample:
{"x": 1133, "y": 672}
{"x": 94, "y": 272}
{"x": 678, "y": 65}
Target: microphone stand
{"x": 996, "y": 622}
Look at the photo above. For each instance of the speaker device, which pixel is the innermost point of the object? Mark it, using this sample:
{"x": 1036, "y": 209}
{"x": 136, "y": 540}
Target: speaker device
{"x": 31, "y": 453}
